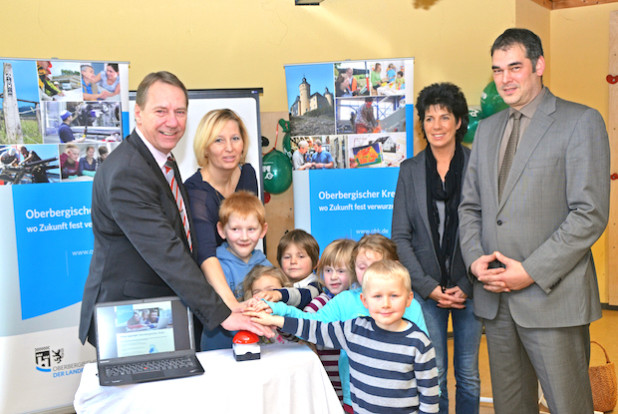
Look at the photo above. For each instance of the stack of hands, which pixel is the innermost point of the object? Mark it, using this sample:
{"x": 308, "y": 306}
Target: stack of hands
{"x": 254, "y": 315}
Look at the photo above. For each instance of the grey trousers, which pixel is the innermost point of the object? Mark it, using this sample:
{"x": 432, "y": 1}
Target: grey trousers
{"x": 557, "y": 357}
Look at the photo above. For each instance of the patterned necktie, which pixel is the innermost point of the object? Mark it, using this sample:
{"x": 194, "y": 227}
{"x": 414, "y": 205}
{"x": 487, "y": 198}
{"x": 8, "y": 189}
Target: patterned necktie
{"x": 170, "y": 173}
{"x": 509, "y": 153}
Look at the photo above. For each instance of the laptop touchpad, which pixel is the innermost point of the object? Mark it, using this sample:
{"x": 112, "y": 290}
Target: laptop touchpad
{"x": 148, "y": 376}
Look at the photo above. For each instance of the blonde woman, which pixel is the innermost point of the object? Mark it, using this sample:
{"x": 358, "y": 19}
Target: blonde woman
{"x": 220, "y": 146}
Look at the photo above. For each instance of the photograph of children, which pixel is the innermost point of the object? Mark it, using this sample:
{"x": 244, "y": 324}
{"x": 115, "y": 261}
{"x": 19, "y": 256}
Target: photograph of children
{"x": 29, "y": 164}
{"x": 351, "y": 79}
{"x": 77, "y": 122}
{"x": 310, "y": 99}
{"x": 376, "y": 150}
{"x": 387, "y": 77}
{"x": 59, "y": 81}
{"x": 19, "y": 99}
{"x": 371, "y": 115}
{"x": 100, "y": 81}
{"x": 79, "y": 162}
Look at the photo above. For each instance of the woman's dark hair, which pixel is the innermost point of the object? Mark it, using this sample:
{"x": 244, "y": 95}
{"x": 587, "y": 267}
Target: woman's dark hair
{"x": 445, "y": 95}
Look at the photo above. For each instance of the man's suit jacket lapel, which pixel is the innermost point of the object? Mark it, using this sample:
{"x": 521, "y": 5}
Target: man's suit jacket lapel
{"x": 493, "y": 152}
{"x": 157, "y": 173}
{"x": 539, "y": 124}
{"x": 141, "y": 148}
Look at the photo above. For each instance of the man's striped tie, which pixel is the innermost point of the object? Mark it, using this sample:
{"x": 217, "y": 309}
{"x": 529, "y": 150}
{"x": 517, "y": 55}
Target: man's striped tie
{"x": 172, "y": 178}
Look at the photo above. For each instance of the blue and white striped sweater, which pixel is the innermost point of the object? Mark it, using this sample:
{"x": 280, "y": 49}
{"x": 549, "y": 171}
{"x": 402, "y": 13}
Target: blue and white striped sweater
{"x": 346, "y": 305}
{"x": 390, "y": 372}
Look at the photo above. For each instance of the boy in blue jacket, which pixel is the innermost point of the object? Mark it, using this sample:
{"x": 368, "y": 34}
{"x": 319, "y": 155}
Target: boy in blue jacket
{"x": 242, "y": 224}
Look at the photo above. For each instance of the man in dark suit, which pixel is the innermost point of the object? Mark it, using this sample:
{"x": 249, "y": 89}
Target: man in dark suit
{"x": 526, "y": 233}
{"x": 142, "y": 248}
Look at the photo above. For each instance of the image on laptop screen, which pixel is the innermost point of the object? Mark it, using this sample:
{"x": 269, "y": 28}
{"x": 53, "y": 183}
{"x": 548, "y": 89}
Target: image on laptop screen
{"x": 141, "y": 328}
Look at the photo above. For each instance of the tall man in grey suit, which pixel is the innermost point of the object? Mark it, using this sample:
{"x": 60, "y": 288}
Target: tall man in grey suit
{"x": 142, "y": 248}
{"x": 526, "y": 233}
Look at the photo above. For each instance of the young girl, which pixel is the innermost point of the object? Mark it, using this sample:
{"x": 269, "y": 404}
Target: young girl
{"x": 297, "y": 253}
{"x": 263, "y": 279}
{"x": 335, "y": 271}
{"x": 348, "y": 305}
{"x": 336, "y": 274}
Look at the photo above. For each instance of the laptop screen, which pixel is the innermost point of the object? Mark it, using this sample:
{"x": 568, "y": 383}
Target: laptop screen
{"x": 144, "y": 327}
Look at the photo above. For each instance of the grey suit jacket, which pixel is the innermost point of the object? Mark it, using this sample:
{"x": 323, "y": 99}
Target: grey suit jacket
{"x": 140, "y": 248}
{"x": 555, "y": 205}
{"x": 412, "y": 233}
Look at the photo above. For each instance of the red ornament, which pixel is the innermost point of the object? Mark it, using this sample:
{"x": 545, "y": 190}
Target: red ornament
{"x": 614, "y": 176}
{"x": 266, "y": 197}
{"x": 611, "y": 79}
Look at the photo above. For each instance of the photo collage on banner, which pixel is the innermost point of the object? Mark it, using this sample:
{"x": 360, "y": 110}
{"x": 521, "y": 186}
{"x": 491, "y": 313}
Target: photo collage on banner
{"x": 59, "y": 119}
{"x": 348, "y": 114}
{"x": 347, "y": 127}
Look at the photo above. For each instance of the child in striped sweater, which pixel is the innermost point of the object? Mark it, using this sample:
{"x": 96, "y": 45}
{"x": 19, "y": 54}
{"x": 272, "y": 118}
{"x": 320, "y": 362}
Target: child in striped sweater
{"x": 336, "y": 274}
{"x": 392, "y": 361}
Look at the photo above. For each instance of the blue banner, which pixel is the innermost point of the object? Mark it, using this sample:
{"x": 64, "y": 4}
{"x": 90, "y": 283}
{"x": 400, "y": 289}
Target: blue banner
{"x": 54, "y": 244}
{"x": 351, "y": 203}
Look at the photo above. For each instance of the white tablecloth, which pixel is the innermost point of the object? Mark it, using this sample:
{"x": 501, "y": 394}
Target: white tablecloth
{"x": 288, "y": 379}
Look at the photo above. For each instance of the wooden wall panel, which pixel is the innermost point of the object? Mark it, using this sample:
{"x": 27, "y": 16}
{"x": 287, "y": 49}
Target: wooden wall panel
{"x": 280, "y": 208}
{"x": 613, "y": 140}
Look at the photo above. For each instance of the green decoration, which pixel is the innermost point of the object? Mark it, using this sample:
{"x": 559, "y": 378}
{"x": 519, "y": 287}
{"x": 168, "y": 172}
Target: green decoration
{"x": 491, "y": 101}
{"x": 285, "y": 125}
{"x": 287, "y": 146}
{"x": 277, "y": 172}
{"x": 474, "y": 116}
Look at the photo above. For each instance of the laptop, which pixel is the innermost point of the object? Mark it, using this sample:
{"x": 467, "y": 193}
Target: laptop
{"x": 145, "y": 340}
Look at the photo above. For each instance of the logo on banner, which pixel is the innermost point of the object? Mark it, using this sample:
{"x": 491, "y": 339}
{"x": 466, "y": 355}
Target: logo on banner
{"x": 42, "y": 358}
{"x": 48, "y": 359}
{"x": 58, "y": 355}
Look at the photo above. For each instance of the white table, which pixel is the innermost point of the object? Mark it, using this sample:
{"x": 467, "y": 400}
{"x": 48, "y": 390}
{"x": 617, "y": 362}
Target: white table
{"x": 288, "y": 379}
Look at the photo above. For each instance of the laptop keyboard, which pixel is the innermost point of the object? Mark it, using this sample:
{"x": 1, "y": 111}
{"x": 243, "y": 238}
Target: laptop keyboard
{"x": 149, "y": 366}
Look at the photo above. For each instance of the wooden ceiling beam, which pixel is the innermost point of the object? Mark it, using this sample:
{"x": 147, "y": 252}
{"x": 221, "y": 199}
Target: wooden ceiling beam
{"x": 545, "y": 3}
{"x": 566, "y": 4}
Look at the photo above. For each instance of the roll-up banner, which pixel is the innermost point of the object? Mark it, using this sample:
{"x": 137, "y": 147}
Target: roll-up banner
{"x": 58, "y": 122}
{"x": 351, "y": 125}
